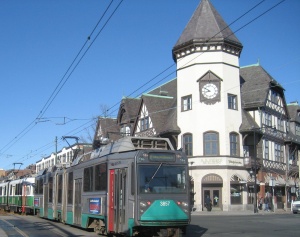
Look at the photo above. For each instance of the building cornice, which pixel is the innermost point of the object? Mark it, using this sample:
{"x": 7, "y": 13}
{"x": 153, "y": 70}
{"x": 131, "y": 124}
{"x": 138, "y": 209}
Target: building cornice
{"x": 198, "y": 46}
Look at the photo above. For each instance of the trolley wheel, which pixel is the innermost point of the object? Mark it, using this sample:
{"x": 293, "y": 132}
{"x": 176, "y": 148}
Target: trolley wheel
{"x": 169, "y": 233}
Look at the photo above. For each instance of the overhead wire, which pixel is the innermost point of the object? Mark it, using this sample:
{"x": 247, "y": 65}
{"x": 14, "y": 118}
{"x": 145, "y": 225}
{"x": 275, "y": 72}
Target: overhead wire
{"x": 60, "y": 85}
{"x": 244, "y": 14}
{"x": 170, "y": 65}
{"x": 152, "y": 79}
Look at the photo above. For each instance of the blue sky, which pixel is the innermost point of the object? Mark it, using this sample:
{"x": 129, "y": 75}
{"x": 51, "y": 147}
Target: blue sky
{"x": 40, "y": 39}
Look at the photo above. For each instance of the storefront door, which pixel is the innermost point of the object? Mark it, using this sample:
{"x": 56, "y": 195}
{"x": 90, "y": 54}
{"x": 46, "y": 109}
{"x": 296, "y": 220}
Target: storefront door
{"x": 215, "y": 196}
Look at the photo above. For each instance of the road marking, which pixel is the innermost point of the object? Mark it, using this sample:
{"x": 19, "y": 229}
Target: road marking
{"x": 16, "y": 228}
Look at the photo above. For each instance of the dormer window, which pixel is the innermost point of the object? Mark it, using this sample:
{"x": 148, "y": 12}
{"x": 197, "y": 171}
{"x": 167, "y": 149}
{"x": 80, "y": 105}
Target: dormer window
{"x": 144, "y": 123}
{"x": 125, "y": 131}
{"x": 274, "y": 97}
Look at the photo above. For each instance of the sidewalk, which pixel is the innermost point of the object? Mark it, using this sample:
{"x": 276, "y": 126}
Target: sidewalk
{"x": 238, "y": 213}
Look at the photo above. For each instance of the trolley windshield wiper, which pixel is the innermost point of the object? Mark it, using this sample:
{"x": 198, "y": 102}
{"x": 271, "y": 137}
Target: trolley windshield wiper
{"x": 154, "y": 174}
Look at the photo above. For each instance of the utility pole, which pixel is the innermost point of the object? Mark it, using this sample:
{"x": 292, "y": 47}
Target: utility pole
{"x": 55, "y": 150}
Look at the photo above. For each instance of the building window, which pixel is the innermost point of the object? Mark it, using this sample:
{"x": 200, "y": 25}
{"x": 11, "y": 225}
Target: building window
{"x": 125, "y": 131}
{"x": 234, "y": 144}
{"x": 211, "y": 144}
{"x": 278, "y": 152}
{"x": 297, "y": 130}
{"x": 232, "y": 101}
{"x": 280, "y": 124}
{"x": 236, "y": 196}
{"x": 144, "y": 122}
{"x": 268, "y": 119}
{"x": 266, "y": 151}
{"x": 274, "y": 97}
{"x": 186, "y": 103}
{"x": 188, "y": 144}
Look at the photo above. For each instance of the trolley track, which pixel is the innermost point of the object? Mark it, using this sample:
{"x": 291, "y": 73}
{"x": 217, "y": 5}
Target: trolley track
{"x": 31, "y": 226}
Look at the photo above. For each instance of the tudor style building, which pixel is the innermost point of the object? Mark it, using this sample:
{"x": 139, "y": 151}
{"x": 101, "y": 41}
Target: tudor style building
{"x": 233, "y": 122}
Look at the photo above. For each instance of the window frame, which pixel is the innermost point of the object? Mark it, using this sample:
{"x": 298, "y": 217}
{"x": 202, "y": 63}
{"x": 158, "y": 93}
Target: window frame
{"x": 186, "y": 103}
{"x": 274, "y": 97}
{"x": 280, "y": 124}
{"x": 88, "y": 176}
{"x": 144, "y": 123}
{"x": 297, "y": 130}
{"x": 266, "y": 150}
{"x": 234, "y": 145}
{"x": 211, "y": 143}
{"x": 101, "y": 181}
{"x": 70, "y": 188}
{"x": 278, "y": 152}
{"x": 268, "y": 119}
{"x": 236, "y": 197}
{"x": 232, "y": 101}
{"x": 187, "y": 144}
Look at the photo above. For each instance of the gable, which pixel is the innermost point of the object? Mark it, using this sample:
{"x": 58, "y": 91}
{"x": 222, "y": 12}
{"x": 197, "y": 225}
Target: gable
{"x": 209, "y": 76}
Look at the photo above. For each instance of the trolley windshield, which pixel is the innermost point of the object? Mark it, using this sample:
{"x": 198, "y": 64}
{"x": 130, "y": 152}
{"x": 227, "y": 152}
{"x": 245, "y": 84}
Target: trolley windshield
{"x": 161, "y": 178}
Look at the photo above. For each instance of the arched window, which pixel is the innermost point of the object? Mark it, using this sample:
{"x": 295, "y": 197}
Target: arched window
{"x": 188, "y": 144}
{"x": 211, "y": 144}
{"x": 234, "y": 144}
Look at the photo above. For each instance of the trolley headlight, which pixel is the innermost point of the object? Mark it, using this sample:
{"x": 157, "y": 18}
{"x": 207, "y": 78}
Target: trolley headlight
{"x": 143, "y": 157}
{"x": 144, "y": 206}
{"x": 184, "y": 206}
{"x": 180, "y": 158}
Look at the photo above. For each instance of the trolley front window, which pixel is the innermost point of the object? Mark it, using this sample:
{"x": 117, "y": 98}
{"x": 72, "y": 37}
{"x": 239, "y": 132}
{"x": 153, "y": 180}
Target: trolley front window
{"x": 162, "y": 178}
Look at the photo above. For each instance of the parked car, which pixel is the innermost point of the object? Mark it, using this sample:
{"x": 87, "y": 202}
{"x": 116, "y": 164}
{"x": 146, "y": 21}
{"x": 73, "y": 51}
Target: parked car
{"x": 296, "y": 206}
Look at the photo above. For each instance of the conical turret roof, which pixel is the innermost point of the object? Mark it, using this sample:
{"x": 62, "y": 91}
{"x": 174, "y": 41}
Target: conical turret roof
{"x": 206, "y": 26}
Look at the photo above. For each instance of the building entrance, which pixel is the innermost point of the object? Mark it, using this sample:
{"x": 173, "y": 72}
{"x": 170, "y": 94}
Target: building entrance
{"x": 214, "y": 194}
{"x": 212, "y": 186}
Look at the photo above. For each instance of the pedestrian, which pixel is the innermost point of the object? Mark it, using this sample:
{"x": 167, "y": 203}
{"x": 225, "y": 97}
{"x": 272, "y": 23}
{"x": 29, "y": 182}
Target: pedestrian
{"x": 260, "y": 202}
{"x": 216, "y": 199}
{"x": 267, "y": 203}
{"x": 208, "y": 203}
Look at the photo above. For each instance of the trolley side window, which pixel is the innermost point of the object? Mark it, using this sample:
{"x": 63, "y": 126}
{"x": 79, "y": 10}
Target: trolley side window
{"x": 18, "y": 190}
{"x": 50, "y": 189}
{"x": 38, "y": 189}
{"x": 70, "y": 188}
{"x": 28, "y": 190}
{"x": 132, "y": 179}
{"x": 41, "y": 188}
{"x": 88, "y": 179}
{"x": 59, "y": 184}
{"x": 101, "y": 177}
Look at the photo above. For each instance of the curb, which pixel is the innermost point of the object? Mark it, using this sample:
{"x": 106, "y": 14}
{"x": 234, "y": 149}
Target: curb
{"x": 238, "y": 213}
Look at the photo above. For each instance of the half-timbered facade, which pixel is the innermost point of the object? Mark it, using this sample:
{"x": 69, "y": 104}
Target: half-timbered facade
{"x": 265, "y": 133}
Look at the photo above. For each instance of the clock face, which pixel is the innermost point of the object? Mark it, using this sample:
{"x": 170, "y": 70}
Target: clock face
{"x": 210, "y": 91}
